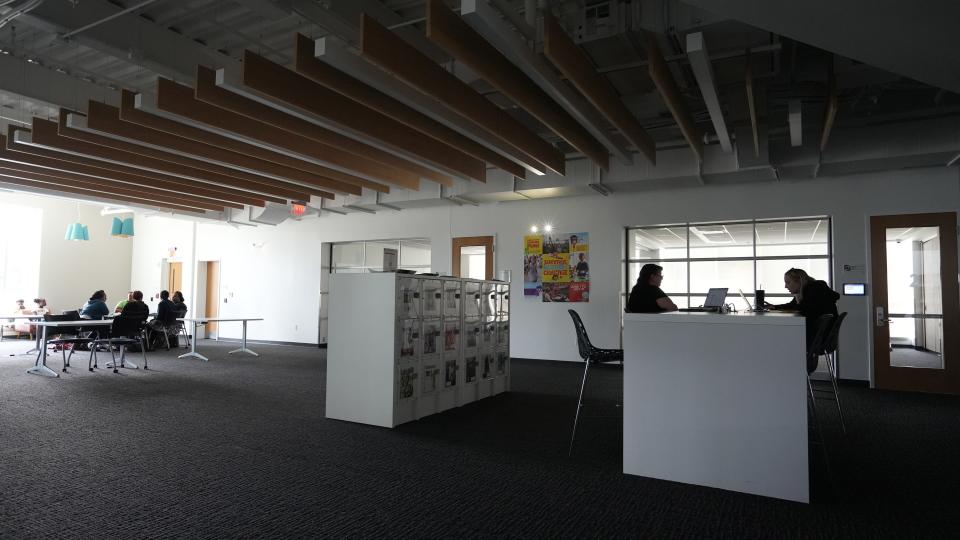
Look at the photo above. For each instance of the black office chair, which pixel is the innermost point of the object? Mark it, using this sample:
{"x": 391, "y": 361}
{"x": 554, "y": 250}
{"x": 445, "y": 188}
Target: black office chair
{"x": 175, "y": 328}
{"x": 816, "y": 349}
{"x": 72, "y": 335}
{"x": 590, "y": 355}
{"x": 828, "y": 349}
{"x": 124, "y": 331}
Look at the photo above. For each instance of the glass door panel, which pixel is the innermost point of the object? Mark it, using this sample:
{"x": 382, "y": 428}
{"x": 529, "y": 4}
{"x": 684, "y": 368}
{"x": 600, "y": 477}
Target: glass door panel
{"x": 914, "y": 297}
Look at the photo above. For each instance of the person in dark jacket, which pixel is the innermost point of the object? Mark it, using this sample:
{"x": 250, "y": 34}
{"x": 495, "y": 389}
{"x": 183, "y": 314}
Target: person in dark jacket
{"x": 164, "y": 309}
{"x": 178, "y": 304}
{"x": 646, "y": 296}
{"x": 811, "y": 298}
{"x": 136, "y": 308}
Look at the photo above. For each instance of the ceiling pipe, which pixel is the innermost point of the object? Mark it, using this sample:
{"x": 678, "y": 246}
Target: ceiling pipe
{"x": 107, "y": 19}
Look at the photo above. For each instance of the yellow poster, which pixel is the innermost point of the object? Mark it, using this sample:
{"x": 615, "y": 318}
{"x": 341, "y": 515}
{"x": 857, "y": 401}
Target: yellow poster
{"x": 556, "y": 269}
{"x": 532, "y": 244}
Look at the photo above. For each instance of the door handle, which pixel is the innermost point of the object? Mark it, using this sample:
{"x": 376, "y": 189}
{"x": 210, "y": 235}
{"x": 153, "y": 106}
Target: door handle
{"x": 881, "y": 319}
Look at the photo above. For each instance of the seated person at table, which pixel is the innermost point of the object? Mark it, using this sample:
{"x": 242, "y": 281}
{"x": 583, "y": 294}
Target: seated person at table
{"x": 165, "y": 314}
{"x": 96, "y": 306}
{"x": 42, "y": 307}
{"x": 812, "y": 298}
{"x": 22, "y": 326}
{"x": 121, "y": 304}
{"x": 646, "y": 296}
{"x": 136, "y": 308}
{"x": 178, "y": 304}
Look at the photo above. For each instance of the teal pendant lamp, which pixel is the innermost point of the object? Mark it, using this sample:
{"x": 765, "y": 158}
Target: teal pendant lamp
{"x": 122, "y": 227}
{"x": 76, "y": 231}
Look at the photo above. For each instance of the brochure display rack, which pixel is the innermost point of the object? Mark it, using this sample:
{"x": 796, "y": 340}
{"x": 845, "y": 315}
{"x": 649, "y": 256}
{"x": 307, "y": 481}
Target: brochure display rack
{"x": 403, "y": 346}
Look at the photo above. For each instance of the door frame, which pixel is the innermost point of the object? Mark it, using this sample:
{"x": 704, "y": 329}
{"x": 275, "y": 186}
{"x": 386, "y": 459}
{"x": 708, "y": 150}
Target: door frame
{"x": 885, "y": 376}
{"x": 465, "y": 241}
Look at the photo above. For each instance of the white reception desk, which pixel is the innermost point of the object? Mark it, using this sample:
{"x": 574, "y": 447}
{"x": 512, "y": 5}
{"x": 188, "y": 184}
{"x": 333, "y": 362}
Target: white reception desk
{"x": 717, "y": 400}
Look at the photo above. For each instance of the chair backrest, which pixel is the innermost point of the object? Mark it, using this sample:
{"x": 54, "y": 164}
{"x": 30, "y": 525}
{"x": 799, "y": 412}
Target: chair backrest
{"x": 177, "y": 315}
{"x": 824, "y": 323}
{"x": 833, "y": 339}
{"x": 583, "y": 342}
{"x": 127, "y": 326}
{"x": 73, "y": 312}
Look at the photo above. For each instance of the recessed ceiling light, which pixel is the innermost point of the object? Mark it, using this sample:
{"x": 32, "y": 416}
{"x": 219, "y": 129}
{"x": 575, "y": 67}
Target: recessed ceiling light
{"x": 4, "y": 51}
{"x": 61, "y": 70}
{"x": 33, "y": 60}
{"x": 89, "y": 79}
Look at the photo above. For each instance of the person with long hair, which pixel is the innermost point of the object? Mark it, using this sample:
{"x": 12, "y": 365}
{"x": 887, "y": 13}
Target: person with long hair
{"x": 646, "y": 296}
{"x": 96, "y": 306}
{"x": 811, "y": 298}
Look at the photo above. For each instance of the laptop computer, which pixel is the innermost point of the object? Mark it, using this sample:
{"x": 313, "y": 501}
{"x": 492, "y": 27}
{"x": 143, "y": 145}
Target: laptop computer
{"x": 715, "y": 299}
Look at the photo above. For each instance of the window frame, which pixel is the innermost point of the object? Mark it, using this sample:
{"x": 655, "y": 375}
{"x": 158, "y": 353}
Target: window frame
{"x": 627, "y": 260}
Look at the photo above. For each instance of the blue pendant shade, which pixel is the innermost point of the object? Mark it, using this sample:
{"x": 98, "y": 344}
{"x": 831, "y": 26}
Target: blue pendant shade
{"x": 76, "y": 231}
{"x": 122, "y": 228}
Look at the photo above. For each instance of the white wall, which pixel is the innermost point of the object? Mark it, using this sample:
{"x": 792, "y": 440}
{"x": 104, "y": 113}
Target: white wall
{"x": 71, "y": 270}
{"x": 280, "y": 279}
{"x": 151, "y": 252}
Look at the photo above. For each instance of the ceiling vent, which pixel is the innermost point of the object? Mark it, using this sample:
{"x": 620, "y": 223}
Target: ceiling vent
{"x": 271, "y": 214}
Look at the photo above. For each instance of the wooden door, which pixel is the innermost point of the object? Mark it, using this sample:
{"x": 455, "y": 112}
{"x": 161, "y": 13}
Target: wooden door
{"x": 213, "y": 296}
{"x": 174, "y": 277}
{"x": 915, "y": 302}
{"x": 483, "y": 242}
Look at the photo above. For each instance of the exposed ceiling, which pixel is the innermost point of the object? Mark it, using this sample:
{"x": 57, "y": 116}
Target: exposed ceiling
{"x": 279, "y": 124}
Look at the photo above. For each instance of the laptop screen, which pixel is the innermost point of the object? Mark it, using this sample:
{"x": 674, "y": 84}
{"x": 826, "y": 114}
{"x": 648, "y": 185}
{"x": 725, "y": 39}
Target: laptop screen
{"x": 715, "y": 297}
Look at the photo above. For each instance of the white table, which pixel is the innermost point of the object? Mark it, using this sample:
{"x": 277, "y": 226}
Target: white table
{"x": 204, "y": 320}
{"x": 40, "y": 366}
{"x": 717, "y": 400}
{"x": 20, "y": 318}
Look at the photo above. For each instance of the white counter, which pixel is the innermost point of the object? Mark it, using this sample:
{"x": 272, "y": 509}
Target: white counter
{"x": 717, "y": 400}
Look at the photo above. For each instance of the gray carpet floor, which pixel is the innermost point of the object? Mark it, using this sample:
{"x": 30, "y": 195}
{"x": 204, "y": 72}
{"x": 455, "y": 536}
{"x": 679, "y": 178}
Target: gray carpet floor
{"x": 239, "y": 447}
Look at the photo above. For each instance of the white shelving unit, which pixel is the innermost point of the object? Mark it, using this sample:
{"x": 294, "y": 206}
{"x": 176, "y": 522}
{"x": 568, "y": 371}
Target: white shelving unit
{"x": 403, "y": 346}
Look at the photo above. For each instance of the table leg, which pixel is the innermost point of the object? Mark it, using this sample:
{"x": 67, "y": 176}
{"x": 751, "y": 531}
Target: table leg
{"x": 193, "y": 345}
{"x": 243, "y": 343}
{"x": 40, "y": 367}
{"x": 36, "y": 346}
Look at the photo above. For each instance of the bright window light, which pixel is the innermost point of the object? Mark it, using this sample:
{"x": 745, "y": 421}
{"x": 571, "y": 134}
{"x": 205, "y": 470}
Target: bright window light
{"x": 548, "y": 227}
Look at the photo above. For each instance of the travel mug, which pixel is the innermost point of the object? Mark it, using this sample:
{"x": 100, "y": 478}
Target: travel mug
{"x": 758, "y": 300}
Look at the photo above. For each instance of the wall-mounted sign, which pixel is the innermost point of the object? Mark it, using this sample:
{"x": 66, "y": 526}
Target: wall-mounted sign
{"x": 556, "y": 266}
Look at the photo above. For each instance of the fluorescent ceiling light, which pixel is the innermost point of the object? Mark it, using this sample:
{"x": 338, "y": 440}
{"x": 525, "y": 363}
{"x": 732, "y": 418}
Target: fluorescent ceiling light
{"x": 110, "y": 210}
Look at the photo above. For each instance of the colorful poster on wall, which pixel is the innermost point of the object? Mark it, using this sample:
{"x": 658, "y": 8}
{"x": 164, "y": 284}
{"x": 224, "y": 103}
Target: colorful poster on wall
{"x": 532, "y": 263}
{"x": 557, "y": 266}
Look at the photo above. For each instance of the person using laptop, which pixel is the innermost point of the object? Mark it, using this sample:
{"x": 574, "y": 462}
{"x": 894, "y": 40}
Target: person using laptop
{"x": 811, "y": 298}
{"x": 646, "y": 296}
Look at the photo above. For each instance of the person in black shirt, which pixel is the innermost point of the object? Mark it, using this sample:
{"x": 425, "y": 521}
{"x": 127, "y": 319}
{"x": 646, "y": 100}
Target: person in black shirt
{"x": 646, "y": 296}
{"x": 135, "y": 308}
{"x": 178, "y": 304}
{"x": 811, "y": 298}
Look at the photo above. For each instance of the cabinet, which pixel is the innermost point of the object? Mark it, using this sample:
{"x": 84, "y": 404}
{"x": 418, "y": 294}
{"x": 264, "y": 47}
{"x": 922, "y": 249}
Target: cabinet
{"x": 401, "y": 347}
